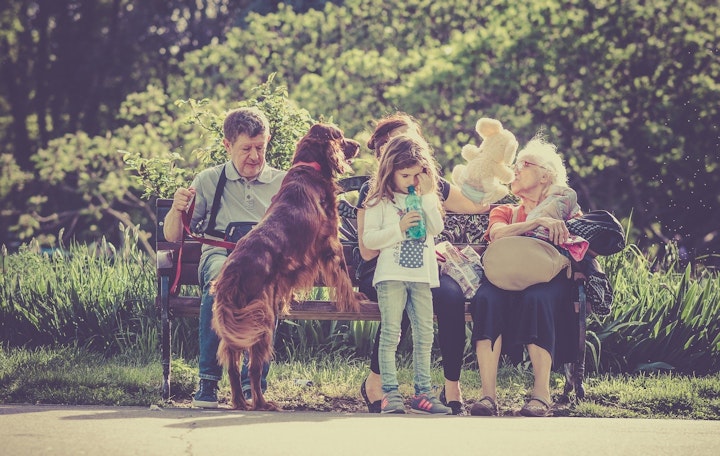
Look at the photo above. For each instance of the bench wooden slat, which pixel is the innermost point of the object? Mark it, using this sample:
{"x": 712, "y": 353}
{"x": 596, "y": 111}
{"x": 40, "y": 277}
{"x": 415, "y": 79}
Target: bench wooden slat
{"x": 325, "y": 310}
{"x": 188, "y": 306}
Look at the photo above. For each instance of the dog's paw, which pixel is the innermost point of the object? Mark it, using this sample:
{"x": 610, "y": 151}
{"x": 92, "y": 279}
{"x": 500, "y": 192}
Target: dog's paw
{"x": 240, "y": 406}
{"x": 267, "y": 406}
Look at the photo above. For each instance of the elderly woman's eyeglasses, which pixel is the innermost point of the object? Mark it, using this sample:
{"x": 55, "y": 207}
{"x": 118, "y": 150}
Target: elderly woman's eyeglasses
{"x": 524, "y": 163}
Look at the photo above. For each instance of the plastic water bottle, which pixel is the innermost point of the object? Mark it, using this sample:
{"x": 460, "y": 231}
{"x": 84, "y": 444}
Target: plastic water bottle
{"x": 414, "y": 203}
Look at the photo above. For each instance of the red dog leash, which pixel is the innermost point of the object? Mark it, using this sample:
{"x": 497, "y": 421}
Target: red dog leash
{"x": 186, "y": 217}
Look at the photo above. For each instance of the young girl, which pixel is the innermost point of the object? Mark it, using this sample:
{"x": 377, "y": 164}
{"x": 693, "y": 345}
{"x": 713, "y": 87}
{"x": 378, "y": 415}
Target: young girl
{"x": 406, "y": 268}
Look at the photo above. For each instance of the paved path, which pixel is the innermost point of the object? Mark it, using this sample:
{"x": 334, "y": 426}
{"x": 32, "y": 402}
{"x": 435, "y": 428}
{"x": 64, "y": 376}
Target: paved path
{"x": 111, "y": 431}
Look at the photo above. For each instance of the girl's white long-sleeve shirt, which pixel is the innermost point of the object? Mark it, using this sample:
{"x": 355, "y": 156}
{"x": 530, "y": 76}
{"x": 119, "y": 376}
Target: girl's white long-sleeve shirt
{"x": 382, "y": 232}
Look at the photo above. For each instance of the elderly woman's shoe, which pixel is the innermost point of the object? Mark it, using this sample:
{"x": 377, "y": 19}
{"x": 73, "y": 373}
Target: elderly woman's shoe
{"x": 536, "y": 407}
{"x": 484, "y": 407}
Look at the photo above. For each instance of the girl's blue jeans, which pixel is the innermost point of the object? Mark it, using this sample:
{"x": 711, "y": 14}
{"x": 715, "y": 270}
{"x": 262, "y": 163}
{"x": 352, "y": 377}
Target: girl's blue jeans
{"x": 415, "y": 297}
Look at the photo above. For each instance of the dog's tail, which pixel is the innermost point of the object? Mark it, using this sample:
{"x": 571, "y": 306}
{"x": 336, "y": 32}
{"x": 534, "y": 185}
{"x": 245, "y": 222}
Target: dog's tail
{"x": 239, "y": 328}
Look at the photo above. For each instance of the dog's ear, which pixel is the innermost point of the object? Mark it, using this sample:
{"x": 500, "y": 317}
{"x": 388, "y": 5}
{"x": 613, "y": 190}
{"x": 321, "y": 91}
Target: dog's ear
{"x": 339, "y": 154}
{"x": 309, "y": 146}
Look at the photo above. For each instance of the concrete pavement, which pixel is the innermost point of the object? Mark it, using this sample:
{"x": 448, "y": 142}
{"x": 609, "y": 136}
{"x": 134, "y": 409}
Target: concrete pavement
{"x": 111, "y": 431}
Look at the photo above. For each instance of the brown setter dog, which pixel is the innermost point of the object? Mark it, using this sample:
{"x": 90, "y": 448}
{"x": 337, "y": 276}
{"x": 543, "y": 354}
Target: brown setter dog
{"x": 294, "y": 244}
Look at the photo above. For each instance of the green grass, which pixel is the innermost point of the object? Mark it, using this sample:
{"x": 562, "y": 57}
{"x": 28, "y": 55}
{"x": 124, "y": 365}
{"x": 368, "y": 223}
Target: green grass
{"x": 76, "y": 376}
{"x": 653, "y": 396}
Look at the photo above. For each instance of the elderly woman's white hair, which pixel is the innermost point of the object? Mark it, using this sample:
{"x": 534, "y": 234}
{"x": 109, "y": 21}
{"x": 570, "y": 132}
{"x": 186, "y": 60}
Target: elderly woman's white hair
{"x": 545, "y": 155}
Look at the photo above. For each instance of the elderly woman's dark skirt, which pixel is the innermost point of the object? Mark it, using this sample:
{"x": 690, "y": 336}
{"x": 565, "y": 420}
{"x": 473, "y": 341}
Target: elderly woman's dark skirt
{"x": 542, "y": 314}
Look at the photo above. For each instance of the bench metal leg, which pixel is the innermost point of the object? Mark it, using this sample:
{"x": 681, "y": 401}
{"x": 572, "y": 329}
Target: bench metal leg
{"x": 575, "y": 372}
{"x": 165, "y": 334}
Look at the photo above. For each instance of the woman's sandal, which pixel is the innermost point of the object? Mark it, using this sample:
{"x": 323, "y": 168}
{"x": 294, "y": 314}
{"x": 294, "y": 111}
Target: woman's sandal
{"x": 484, "y": 407}
{"x": 541, "y": 407}
{"x": 373, "y": 407}
{"x": 456, "y": 406}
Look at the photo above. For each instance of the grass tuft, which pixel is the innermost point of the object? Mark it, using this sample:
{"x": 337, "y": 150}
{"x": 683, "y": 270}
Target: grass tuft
{"x": 74, "y": 375}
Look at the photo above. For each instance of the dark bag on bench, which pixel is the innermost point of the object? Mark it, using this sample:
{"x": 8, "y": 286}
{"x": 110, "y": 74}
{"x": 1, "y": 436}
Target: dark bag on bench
{"x": 601, "y": 229}
{"x": 236, "y": 230}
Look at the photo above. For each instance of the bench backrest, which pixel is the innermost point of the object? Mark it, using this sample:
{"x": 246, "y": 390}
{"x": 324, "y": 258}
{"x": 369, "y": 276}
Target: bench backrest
{"x": 460, "y": 229}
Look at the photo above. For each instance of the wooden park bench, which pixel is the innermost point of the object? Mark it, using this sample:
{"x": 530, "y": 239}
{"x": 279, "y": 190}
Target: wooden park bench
{"x": 460, "y": 229}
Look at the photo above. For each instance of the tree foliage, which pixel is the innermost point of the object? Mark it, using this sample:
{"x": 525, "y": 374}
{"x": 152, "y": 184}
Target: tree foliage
{"x": 629, "y": 91}
{"x": 68, "y": 65}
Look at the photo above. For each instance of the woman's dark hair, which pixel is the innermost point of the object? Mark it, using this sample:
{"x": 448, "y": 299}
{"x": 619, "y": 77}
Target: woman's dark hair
{"x": 386, "y": 125}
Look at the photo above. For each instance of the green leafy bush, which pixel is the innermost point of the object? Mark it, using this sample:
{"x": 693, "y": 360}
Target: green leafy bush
{"x": 661, "y": 320}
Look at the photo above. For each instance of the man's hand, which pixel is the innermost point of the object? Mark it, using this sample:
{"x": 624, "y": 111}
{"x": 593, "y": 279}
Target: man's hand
{"x": 182, "y": 199}
{"x": 173, "y": 226}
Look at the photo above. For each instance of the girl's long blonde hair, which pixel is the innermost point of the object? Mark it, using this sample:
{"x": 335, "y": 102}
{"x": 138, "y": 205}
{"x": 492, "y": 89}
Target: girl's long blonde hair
{"x": 400, "y": 152}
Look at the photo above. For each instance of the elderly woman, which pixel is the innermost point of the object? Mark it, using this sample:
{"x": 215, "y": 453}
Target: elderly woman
{"x": 537, "y": 317}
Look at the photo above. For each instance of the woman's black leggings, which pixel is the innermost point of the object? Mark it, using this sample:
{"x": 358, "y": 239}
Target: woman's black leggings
{"x": 449, "y": 307}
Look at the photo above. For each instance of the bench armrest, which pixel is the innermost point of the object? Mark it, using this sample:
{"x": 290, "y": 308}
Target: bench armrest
{"x": 165, "y": 262}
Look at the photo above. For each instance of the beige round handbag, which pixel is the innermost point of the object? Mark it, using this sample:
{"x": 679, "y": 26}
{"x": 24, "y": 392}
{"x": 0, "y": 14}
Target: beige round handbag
{"x": 517, "y": 262}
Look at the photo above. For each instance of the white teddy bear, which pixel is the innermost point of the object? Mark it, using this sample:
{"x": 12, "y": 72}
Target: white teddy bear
{"x": 484, "y": 178}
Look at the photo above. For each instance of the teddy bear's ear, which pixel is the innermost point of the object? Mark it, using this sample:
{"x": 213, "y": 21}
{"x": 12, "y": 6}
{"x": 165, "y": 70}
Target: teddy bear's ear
{"x": 487, "y": 127}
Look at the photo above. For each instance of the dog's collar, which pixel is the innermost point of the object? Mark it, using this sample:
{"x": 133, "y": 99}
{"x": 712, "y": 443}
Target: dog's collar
{"x": 315, "y": 165}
